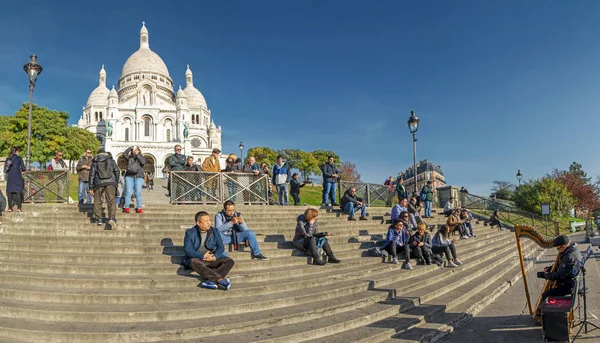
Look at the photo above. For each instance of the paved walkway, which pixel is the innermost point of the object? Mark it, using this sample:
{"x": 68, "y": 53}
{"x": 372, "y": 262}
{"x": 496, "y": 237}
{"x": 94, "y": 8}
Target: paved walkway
{"x": 507, "y": 319}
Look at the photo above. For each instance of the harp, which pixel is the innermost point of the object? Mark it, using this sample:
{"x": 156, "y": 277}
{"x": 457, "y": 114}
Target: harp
{"x": 537, "y": 237}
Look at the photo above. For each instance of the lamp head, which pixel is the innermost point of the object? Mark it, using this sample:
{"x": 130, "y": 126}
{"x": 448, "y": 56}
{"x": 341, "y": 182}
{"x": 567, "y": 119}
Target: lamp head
{"x": 33, "y": 68}
{"x": 413, "y": 122}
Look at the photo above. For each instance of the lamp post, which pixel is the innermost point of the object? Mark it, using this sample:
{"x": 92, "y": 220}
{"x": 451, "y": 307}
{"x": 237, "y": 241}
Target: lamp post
{"x": 33, "y": 69}
{"x": 413, "y": 126}
{"x": 519, "y": 176}
{"x": 242, "y": 151}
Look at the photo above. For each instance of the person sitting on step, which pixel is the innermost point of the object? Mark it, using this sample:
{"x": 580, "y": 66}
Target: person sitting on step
{"x": 205, "y": 253}
{"x": 466, "y": 216}
{"x": 401, "y": 207}
{"x": 397, "y": 241}
{"x": 230, "y": 222}
{"x": 408, "y": 222}
{"x": 449, "y": 207}
{"x": 420, "y": 245}
{"x": 414, "y": 208}
{"x": 441, "y": 243}
{"x": 455, "y": 223}
{"x": 495, "y": 220}
{"x": 352, "y": 203}
{"x": 309, "y": 239}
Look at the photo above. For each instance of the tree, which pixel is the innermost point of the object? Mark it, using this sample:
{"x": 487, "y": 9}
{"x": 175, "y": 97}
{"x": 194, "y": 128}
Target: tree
{"x": 348, "y": 172}
{"x": 578, "y": 184}
{"x": 530, "y": 195}
{"x": 263, "y": 154}
{"x": 78, "y": 140}
{"x": 503, "y": 190}
{"x": 304, "y": 161}
{"x": 6, "y": 136}
{"x": 48, "y": 131}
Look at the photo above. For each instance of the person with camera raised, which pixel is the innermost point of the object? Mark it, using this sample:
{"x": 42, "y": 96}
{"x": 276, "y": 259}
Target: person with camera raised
{"x": 134, "y": 177}
{"x": 229, "y": 223}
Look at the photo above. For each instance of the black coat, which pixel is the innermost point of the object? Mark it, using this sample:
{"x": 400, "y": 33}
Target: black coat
{"x": 14, "y": 177}
{"x": 95, "y": 181}
{"x": 295, "y": 186}
{"x": 134, "y": 162}
{"x": 565, "y": 274}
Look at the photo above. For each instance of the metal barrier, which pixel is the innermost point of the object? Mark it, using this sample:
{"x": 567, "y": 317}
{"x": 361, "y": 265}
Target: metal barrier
{"x": 46, "y": 186}
{"x": 373, "y": 194}
{"x": 509, "y": 214}
{"x": 190, "y": 187}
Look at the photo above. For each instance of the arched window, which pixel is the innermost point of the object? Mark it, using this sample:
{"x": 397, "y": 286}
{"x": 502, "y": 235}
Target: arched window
{"x": 100, "y": 115}
{"x": 126, "y": 134}
{"x": 197, "y": 119}
{"x": 147, "y": 126}
{"x": 193, "y": 119}
{"x": 168, "y": 135}
{"x": 96, "y": 115}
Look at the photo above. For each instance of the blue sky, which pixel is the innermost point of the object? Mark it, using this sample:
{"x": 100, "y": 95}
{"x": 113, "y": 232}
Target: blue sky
{"x": 498, "y": 85}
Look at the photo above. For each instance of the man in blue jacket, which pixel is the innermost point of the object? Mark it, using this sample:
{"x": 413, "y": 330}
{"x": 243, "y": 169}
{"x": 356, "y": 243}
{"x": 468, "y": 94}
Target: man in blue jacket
{"x": 205, "y": 253}
{"x": 229, "y": 222}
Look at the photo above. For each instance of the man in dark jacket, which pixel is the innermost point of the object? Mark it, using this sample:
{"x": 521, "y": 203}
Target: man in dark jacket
{"x": 176, "y": 162}
{"x": 566, "y": 271}
{"x": 331, "y": 176}
{"x": 205, "y": 253}
{"x": 83, "y": 171}
{"x": 351, "y": 203}
{"x": 400, "y": 189}
{"x": 104, "y": 175}
{"x": 295, "y": 186}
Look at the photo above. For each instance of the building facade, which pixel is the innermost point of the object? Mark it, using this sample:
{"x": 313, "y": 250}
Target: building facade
{"x": 145, "y": 111}
{"x": 426, "y": 171}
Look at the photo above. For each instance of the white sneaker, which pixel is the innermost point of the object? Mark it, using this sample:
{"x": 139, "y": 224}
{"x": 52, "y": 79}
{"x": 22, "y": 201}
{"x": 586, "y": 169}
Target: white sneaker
{"x": 395, "y": 260}
{"x": 465, "y": 237}
{"x": 451, "y": 265}
{"x": 457, "y": 261}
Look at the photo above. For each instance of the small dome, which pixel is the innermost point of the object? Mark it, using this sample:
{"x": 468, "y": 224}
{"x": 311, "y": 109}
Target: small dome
{"x": 181, "y": 93}
{"x": 80, "y": 122}
{"x": 99, "y": 96}
{"x": 212, "y": 125}
{"x": 113, "y": 93}
{"x": 195, "y": 99}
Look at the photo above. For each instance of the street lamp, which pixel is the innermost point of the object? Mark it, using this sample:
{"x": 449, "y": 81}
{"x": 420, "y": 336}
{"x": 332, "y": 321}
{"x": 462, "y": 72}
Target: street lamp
{"x": 413, "y": 126}
{"x": 33, "y": 69}
{"x": 242, "y": 151}
{"x": 519, "y": 176}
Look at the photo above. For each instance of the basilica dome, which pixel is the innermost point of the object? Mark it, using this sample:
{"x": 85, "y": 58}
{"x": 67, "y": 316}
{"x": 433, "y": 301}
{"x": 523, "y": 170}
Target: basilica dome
{"x": 145, "y": 60}
{"x": 99, "y": 96}
{"x": 195, "y": 99}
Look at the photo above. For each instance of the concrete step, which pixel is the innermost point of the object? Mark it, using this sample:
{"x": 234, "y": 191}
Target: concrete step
{"x": 292, "y": 315}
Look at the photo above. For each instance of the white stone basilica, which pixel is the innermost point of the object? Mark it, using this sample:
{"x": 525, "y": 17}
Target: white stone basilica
{"x": 145, "y": 111}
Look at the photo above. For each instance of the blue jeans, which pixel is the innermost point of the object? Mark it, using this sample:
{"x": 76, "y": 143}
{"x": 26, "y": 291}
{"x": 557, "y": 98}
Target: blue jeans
{"x": 329, "y": 192}
{"x": 130, "y": 183}
{"x": 428, "y": 208}
{"x": 468, "y": 228}
{"x": 243, "y": 236}
{"x": 282, "y": 193}
{"x": 350, "y": 208}
{"x": 84, "y": 192}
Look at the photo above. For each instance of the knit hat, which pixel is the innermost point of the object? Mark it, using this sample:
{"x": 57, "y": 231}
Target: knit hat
{"x": 561, "y": 240}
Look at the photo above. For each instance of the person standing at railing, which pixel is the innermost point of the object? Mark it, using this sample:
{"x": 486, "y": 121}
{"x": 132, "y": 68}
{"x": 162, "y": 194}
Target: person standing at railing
{"x": 134, "y": 177}
{"x": 233, "y": 165}
{"x": 211, "y": 164}
{"x": 83, "y": 175}
{"x": 427, "y": 196}
{"x": 400, "y": 189}
{"x": 14, "y": 168}
{"x": 251, "y": 167}
{"x": 176, "y": 163}
{"x": 331, "y": 175}
{"x": 281, "y": 177}
{"x": 59, "y": 164}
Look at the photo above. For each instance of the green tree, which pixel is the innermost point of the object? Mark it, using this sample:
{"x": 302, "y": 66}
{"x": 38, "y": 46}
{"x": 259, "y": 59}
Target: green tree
{"x": 503, "y": 190}
{"x": 78, "y": 140}
{"x": 6, "y": 136}
{"x": 263, "y": 154}
{"x": 304, "y": 161}
{"x": 48, "y": 131}
{"x": 530, "y": 195}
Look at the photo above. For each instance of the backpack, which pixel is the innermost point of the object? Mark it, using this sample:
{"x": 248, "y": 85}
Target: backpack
{"x": 7, "y": 165}
{"x": 49, "y": 167}
{"x": 133, "y": 167}
{"x": 105, "y": 170}
{"x": 423, "y": 194}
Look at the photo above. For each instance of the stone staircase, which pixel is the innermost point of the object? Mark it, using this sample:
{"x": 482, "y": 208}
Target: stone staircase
{"x": 63, "y": 279}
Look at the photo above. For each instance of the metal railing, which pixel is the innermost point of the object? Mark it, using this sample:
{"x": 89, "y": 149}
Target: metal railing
{"x": 373, "y": 194}
{"x": 507, "y": 214}
{"x": 190, "y": 187}
{"x": 46, "y": 186}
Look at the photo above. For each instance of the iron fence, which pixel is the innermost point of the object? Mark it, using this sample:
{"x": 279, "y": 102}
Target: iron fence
{"x": 46, "y": 186}
{"x": 373, "y": 194}
{"x": 191, "y": 187}
{"x": 509, "y": 214}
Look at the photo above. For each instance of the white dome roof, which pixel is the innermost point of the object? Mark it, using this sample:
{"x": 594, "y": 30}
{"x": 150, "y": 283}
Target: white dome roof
{"x": 113, "y": 92}
{"x": 180, "y": 93}
{"x": 99, "y": 96}
{"x": 144, "y": 59}
{"x": 195, "y": 99}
